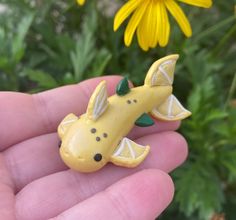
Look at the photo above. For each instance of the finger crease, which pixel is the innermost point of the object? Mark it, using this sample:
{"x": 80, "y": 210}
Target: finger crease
{"x": 43, "y": 111}
{"x": 119, "y": 203}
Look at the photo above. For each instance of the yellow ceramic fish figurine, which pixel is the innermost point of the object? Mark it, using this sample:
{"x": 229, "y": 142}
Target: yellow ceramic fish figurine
{"x": 97, "y": 137}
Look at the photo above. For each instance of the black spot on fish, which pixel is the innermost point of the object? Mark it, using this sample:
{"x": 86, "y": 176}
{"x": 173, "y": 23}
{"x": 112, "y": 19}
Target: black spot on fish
{"x": 128, "y": 101}
{"x": 135, "y": 100}
{"x": 93, "y": 130}
{"x": 105, "y": 135}
{"x": 98, "y": 138}
{"x": 97, "y": 157}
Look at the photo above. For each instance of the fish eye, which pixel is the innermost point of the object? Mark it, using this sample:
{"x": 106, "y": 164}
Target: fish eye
{"x": 97, "y": 157}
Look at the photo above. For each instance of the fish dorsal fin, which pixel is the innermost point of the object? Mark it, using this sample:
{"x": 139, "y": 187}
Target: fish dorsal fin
{"x": 123, "y": 87}
{"x": 65, "y": 124}
{"x": 129, "y": 154}
{"x": 98, "y": 102}
{"x": 161, "y": 73}
{"x": 170, "y": 110}
{"x": 144, "y": 121}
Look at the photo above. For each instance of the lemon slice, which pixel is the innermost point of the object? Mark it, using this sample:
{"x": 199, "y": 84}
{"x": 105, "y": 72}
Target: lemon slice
{"x": 161, "y": 73}
{"x": 171, "y": 110}
{"x": 129, "y": 154}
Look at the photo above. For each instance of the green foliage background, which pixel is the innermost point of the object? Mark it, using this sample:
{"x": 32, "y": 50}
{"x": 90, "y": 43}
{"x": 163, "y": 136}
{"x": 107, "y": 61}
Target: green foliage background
{"x": 45, "y": 44}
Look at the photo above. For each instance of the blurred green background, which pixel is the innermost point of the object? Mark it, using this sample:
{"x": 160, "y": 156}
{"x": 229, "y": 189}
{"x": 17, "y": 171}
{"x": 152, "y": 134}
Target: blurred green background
{"x": 50, "y": 43}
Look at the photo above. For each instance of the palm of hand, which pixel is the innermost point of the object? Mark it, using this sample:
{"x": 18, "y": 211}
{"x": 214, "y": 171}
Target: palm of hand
{"x": 35, "y": 184}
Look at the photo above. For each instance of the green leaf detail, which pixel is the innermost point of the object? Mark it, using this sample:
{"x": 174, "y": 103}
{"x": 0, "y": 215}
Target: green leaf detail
{"x": 144, "y": 121}
{"x": 123, "y": 87}
{"x": 204, "y": 187}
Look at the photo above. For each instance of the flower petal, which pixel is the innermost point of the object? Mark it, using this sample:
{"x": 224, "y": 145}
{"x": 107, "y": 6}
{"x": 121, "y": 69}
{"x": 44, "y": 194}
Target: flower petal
{"x": 179, "y": 16}
{"x": 147, "y": 29}
{"x": 80, "y": 2}
{"x": 154, "y": 25}
{"x": 163, "y": 24}
{"x": 124, "y": 12}
{"x": 134, "y": 22}
{"x": 141, "y": 35}
{"x": 198, "y": 3}
{"x": 152, "y": 32}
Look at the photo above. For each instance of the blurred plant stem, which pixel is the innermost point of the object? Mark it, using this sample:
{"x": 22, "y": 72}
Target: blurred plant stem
{"x": 231, "y": 92}
{"x": 214, "y": 28}
{"x": 224, "y": 40}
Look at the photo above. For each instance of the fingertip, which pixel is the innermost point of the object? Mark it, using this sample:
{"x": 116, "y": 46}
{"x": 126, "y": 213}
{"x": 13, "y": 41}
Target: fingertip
{"x": 183, "y": 146}
{"x": 168, "y": 150}
{"x": 176, "y": 124}
{"x": 168, "y": 188}
{"x": 171, "y": 125}
{"x": 161, "y": 188}
{"x": 146, "y": 193}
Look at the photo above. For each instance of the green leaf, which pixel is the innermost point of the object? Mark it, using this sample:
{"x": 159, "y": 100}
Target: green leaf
{"x": 3, "y": 62}
{"x": 100, "y": 62}
{"x": 214, "y": 115}
{"x": 85, "y": 50}
{"x": 228, "y": 160}
{"x": 43, "y": 79}
{"x": 199, "y": 189}
{"x": 195, "y": 100}
{"x": 18, "y": 45}
{"x": 68, "y": 78}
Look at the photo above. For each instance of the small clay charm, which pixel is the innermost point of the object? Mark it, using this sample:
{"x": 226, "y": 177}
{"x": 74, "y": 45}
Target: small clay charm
{"x": 97, "y": 137}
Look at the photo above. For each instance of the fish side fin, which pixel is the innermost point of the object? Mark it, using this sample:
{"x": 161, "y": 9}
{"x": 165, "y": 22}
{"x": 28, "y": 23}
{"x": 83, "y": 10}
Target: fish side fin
{"x": 122, "y": 87}
{"x": 170, "y": 110}
{"x": 129, "y": 154}
{"x": 144, "y": 121}
{"x": 65, "y": 124}
{"x": 161, "y": 73}
{"x": 98, "y": 102}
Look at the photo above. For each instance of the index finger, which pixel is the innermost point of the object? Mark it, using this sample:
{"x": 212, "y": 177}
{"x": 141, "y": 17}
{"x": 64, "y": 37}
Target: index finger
{"x": 24, "y": 116}
{"x": 127, "y": 199}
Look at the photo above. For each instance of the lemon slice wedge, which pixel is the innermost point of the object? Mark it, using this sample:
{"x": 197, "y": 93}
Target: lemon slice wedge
{"x": 170, "y": 110}
{"x": 129, "y": 154}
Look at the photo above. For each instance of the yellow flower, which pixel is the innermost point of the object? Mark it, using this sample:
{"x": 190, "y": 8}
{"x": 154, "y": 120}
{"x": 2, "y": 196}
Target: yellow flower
{"x": 150, "y": 19}
{"x": 80, "y": 2}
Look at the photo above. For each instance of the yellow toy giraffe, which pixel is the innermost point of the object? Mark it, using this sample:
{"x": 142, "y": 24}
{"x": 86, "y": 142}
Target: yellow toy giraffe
{"x": 97, "y": 137}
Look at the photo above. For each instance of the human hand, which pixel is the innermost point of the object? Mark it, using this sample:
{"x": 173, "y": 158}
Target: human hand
{"x": 35, "y": 184}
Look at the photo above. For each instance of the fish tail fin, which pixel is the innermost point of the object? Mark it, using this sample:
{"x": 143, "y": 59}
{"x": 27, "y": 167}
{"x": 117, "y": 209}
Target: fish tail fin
{"x": 161, "y": 73}
{"x": 170, "y": 110}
